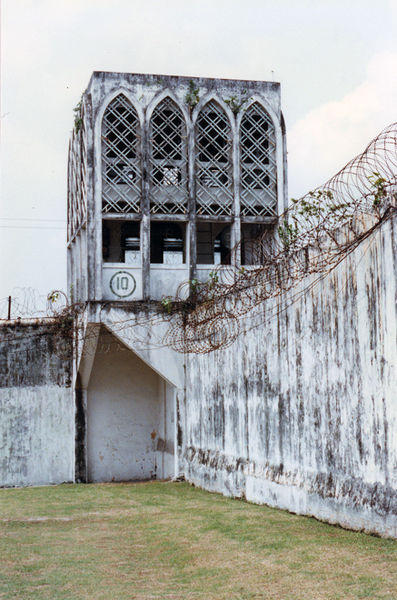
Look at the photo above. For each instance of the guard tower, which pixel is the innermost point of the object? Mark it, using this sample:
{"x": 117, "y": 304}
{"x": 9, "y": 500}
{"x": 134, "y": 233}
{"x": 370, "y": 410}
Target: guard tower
{"x": 168, "y": 178}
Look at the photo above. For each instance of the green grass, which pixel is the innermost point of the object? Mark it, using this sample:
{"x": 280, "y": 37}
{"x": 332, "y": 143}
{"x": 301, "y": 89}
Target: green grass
{"x": 170, "y": 540}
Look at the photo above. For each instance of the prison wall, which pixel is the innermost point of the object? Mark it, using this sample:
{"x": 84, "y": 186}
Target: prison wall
{"x": 300, "y": 413}
{"x": 36, "y": 403}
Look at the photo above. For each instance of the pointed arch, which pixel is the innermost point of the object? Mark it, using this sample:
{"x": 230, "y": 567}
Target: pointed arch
{"x": 121, "y": 157}
{"x": 168, "y": 159}
{"x": 159, "y": 97}
{"x": 258, "y": 163}
{"x": 213, "y": 160}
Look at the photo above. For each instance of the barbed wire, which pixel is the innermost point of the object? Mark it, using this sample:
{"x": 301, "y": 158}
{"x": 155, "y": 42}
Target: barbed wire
{"x": 314, "y": 235}
{"x": 27, "y": 302}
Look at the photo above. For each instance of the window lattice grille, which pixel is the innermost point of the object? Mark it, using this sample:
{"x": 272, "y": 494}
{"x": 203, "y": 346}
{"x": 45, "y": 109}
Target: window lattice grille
{"x": 168, "y": 160}
{"x": 77, "y": 181}
{"x": 214, "y": 191}
{"x": 121, "y": 161}
{"x": 258, "y": 175}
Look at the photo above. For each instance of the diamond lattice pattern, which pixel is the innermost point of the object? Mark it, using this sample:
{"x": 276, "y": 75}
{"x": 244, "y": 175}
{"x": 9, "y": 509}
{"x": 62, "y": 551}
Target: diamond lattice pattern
{"x": 214, "y": 191}
{"x": 77, "y": 184}
{"x": 258, "y": 175}
{"x": 121, "y": 163}
{"x": 168, "y": 160}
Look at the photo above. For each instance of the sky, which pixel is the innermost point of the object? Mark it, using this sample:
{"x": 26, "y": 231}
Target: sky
{"x": 336, "y": 61}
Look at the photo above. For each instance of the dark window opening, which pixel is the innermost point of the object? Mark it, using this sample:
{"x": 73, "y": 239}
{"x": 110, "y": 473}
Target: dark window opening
{"x": 253, "y": 243}
{"x": 121, "y": 242}
{"x": 213, "y": 243}
{"x": 167, "y": 243}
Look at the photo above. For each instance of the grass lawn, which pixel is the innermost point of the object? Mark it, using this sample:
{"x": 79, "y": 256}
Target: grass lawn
{"x": 170, "y": 540}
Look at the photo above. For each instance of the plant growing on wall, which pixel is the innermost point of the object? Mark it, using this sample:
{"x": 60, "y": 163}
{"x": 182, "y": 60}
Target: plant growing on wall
{"x": 167, "y": 304}
{"x": 213, "y": 280}
{"x": 78, "y": 121}
{"x": 53, "y": 297}
{"x": 320, "y": 204}
{"x": 379, "y": 185}
{"x": 235, "y": 103}
{"x": 288, "y": 234}
{"x": 192, "y": 97}
{"x": 194, "y": 286}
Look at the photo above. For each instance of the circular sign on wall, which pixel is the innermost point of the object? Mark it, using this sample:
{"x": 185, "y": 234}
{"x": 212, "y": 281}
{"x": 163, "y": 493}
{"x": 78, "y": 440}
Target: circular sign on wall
{"x": 123, "y": 284}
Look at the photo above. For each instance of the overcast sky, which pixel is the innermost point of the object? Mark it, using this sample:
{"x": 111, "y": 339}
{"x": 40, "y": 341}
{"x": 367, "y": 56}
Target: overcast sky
{"x": 336, "y": 61}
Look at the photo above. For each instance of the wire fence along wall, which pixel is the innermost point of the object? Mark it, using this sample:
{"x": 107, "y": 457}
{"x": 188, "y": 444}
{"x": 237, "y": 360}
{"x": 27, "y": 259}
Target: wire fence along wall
{"x": 314, "y": 235}
{"x": 28, "y": 303}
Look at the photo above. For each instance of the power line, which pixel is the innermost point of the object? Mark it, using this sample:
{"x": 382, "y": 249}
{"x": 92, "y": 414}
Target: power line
{"x": 30, "y": 227}
{"x": 30, "y": 219}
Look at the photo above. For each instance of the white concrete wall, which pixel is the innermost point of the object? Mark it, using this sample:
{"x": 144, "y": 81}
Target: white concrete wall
{"x": 130, "y": 417}
{"x": 165, "y": 280}
{"x": 141, "y": 327}
{"x": 37, "y": 435}
{"x": 36, "y": 404}
{"x": 166, "y": 443}
{"x": 301, "y": 411}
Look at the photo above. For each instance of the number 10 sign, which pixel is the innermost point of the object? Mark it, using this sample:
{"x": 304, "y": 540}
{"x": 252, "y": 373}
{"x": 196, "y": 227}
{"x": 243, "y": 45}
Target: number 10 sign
{"x": 123, "y": 284}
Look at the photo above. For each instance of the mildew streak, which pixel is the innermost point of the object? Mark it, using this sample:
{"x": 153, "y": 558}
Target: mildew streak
{"x": 310, "y": 414}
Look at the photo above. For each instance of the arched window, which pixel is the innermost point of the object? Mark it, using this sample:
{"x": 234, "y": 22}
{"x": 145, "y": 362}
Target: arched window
{"x": 214, "y": 191}
{"x": 258, "y": 174}
{"x": 168, "y": 160}
{"x": 121, "y": 158}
